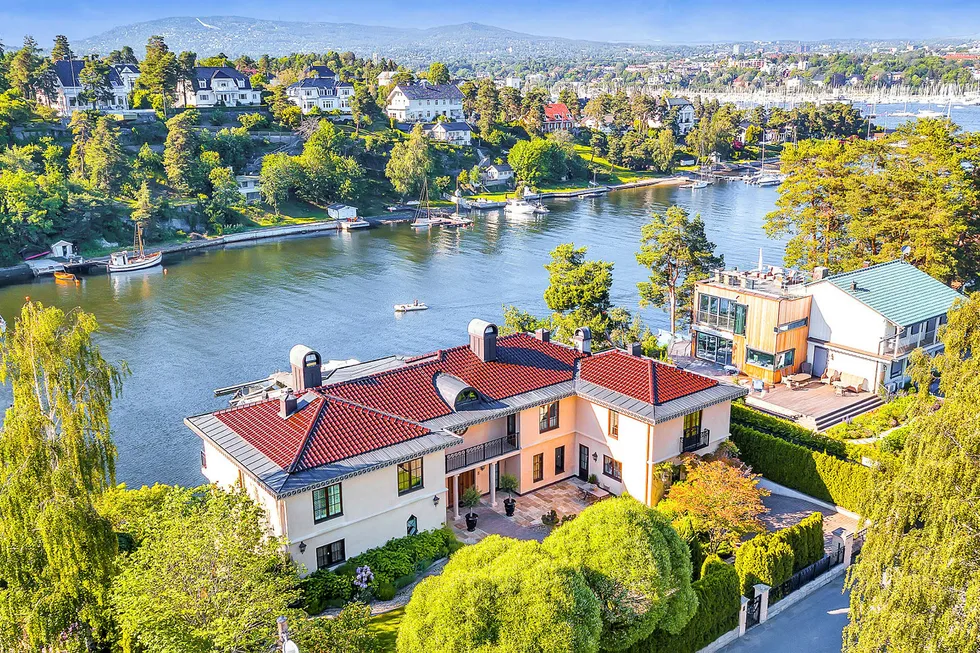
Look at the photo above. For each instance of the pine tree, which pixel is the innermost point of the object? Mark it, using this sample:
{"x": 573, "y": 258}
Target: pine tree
{"x": 105, "y": 161}
{"x": 57, "y": 554}
{"x": 95, "y": 81}
{"x": 61, "y": 50}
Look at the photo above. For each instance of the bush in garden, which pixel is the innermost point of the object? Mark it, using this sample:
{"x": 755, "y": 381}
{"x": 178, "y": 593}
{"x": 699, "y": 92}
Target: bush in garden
{"x": 878, "y": 421}
{"x": 821, "y": 476}
{"x": 763, "y": 559}
{"x": 687, "y": 529}
{"x": 805, "y": 539}
{"x": 322, "y": 588}
{"x": 635, "y": 563}
{"x": 385, "y": 591}
{"x": 348, "y": 631}
{"x": 502, "y": 595}
{"x": 719, "y": 601}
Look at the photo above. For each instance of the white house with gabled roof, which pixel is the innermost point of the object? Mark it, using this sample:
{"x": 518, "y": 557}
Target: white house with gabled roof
{"x": 68, "y": 89}
{"x": 866, "y": 322}
{"x": 422, "y": 101}
{"x": 217, "y": 86}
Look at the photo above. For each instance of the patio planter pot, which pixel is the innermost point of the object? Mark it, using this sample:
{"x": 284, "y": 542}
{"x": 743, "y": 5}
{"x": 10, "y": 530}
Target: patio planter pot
{"x": 471, "y": 518}
{"x": 509, "y": 505}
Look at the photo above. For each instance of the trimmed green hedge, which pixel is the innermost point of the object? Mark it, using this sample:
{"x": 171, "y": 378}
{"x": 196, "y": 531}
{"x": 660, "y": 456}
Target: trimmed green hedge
{"x": 766, "y": 558}
{"x": 786, "y": 430}
{"x": 805, "y": 539}
{"x": 821, "y": 476}
{"x": 719, "y": 601}
{"x": 394, "y": 561}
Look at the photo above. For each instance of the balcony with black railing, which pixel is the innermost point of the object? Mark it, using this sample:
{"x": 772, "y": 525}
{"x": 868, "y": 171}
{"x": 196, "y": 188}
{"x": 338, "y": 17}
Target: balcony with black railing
{"x": 480, "y": 453}
{"x": 694, "y": 438}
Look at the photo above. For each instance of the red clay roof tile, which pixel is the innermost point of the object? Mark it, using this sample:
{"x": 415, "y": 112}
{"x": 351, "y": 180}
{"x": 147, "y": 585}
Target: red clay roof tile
{"x": 641, "y": 378}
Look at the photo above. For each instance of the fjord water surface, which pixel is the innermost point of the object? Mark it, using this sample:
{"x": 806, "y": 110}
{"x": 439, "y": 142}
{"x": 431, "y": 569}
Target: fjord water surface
{"x": 219, "y": 317}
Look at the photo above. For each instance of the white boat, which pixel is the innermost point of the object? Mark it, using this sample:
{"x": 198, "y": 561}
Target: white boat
{"x": 519, "y": 207}
{"x": 422, "y": 219}
{"x": 483, "y": 204}
{"x": 768, "y": 180}
{"x": 126, "y": 261}
{"x": 354, "y": 223}
{"x": 541, "y": 208}
{"x": 929, "y": 113}
{"x": 408, "y": 308}
{"x": 697, "y": 183}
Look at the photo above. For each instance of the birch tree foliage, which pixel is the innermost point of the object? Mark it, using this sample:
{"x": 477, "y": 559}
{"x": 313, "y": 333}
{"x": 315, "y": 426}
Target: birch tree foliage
{"x": 56, "y": 453}
{"x": 916, "y": 585}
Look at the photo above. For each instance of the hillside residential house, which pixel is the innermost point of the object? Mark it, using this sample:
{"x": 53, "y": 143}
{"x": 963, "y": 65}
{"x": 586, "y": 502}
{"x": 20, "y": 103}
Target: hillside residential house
{"x": 867, "y": 322}
{"x": 350, "y": 457}
{"x": 685, "y": 113}
{"x": 67, "y": 87}
{"x": 557, "y": 117}
{"x": 217, "y": 87}
{"x": 455, "y": 133}
{"x": 864, "y": 323}
{"x": 385, "y": 77}
{"x": 498, "y": 173}
{"x": 250, "y": 186}
{"x": 423, "y": 101}
{"x": 753, "y": 321}
{"x": 322, "y": 91}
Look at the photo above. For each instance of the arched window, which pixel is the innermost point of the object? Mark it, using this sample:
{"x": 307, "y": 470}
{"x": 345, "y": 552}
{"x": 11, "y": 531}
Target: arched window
{"x": 413, "y": 525}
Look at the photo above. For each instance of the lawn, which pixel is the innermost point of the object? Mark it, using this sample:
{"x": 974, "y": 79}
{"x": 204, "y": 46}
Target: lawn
{"x": 386, "y": 626}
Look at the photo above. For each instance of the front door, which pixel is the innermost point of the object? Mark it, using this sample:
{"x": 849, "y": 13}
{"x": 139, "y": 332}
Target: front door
{"x": 819, "y": 361}
{"x": 466, "y": 479}
{"x": 583, "y": 462}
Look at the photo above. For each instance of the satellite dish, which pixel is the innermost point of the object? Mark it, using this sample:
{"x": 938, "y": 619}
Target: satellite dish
{"x": 290, "y": 647}
{"x": 906, "y": 250}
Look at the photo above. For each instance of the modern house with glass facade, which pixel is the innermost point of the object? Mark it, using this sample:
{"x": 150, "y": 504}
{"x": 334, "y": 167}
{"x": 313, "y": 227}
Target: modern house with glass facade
{"x": 756, "y": 322}
{"x": 348, "y": 457}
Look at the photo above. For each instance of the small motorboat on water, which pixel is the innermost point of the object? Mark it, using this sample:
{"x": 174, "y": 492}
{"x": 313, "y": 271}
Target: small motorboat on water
{"x": 408, "y": 308}
{"x": 137, "y": 260}
{"x": 519, "y": 207}
{"x": 66, "y": 277}
{"x": 696, "y": 184}
{"x": 485, "y": 205}
{"x": 541, "y": 208}
{"x": 768, "y": 180}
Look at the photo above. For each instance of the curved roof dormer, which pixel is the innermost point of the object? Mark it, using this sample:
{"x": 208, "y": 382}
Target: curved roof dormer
{"x": 454, "y": 391}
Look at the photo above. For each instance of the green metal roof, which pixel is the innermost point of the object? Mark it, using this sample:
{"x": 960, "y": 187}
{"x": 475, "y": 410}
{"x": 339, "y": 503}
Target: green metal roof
{"x": 899, "y": 291}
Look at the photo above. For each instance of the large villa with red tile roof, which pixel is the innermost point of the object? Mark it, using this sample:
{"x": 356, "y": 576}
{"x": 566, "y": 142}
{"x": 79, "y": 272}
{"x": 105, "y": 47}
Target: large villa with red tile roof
{"x": 347, "y": 459}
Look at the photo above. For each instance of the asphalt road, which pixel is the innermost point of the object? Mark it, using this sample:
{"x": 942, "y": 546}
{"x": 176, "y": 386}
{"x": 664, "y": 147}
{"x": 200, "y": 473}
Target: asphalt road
{"x": 814, "y": 625}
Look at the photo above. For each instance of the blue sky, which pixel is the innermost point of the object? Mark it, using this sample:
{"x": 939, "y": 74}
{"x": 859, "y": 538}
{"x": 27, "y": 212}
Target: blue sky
{"x": 674, "y": 21}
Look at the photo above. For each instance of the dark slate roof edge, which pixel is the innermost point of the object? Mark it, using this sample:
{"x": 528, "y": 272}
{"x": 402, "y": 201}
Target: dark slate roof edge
{"x": 210, "y": 428}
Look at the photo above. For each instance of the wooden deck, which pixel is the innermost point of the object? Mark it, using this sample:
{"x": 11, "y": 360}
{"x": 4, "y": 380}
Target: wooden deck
{"x": 813, "y": 400}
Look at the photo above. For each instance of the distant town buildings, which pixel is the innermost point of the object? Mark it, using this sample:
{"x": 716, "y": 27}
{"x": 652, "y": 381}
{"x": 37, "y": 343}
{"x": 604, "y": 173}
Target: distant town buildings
{"x": 422, "y": 101}
{"x": 221, "y": 86}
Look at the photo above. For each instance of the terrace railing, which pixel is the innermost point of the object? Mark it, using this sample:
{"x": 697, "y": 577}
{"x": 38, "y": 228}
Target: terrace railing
{"x": 694, "y": 438}
{"x": 481, "y": 452}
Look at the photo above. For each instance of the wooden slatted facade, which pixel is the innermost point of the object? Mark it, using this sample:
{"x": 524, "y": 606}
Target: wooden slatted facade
{"x": 757, "y": 327}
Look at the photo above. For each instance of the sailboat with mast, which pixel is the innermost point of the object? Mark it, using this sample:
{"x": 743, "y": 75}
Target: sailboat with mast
{"x": 139, "y": 259}
{"x": 422, "y": 219}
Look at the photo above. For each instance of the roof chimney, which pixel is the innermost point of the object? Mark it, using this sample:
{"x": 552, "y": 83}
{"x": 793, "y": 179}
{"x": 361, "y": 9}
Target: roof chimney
{"x": 306, "y": 366}
{"x": 820, "y": 272}
{"x": 583, "y": 340}
{"x": 544, "y": 335}
{"x": 287, "y": 404}
{"x": 635, "y": 349}
{"x": 854, "y": 286}
{"x": 483, "y": 340}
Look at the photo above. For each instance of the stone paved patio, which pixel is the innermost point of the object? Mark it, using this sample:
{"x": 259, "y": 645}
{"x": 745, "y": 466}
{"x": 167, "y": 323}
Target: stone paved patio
{"x": 787, "y": 511}
{"x": 565, "y": 497}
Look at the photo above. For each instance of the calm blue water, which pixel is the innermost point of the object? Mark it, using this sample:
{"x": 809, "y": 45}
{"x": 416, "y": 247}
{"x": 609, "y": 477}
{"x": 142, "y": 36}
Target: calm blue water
{"x": 226, "y": 316}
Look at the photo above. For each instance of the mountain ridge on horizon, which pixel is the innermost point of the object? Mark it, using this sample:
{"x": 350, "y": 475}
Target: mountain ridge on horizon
{"x": 237, "y": 35}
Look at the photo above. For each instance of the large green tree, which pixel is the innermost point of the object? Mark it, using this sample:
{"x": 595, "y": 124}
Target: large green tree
{"x": 57, "y": 554}
{"x": 205, "y": 576}
{"x": 159, "y": 71}
{"x": 635, "y": 563}
{"x": 105, "y": 161}
{"x": 502, "y": 595}
{"x": 916, "y": 585}
{"x": 180, "y": 153}
{"x": 96, "y": 85}
{"x": 62, "y": 49}
{"x": 676, "y": 251}
{"x": 410, "y": 162}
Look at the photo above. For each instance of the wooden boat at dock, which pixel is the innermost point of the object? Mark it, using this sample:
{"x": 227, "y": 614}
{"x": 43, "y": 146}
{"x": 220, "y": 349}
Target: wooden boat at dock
{"x": 351, "y": 224}
{"x": 137, "y": 260}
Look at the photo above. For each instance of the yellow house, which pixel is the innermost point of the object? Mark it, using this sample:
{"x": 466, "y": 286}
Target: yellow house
{"x": 347, "y": 459}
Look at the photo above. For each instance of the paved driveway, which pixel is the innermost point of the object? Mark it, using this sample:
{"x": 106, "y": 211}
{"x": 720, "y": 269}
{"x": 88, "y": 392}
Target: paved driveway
{"x": 813, "y": 625}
